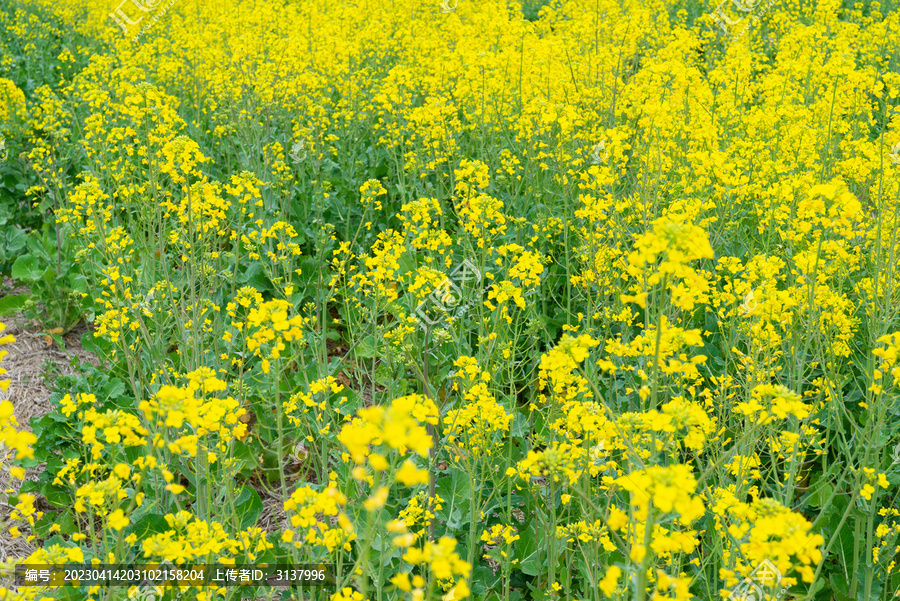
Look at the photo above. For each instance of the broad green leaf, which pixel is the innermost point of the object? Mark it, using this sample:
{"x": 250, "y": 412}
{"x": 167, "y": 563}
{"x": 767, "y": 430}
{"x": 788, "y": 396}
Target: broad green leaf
{"x": 149, "y": 524}
{"x": 250, "y": 508}
{"x": 27, "y": 268}
{"x": 12, "y": 303}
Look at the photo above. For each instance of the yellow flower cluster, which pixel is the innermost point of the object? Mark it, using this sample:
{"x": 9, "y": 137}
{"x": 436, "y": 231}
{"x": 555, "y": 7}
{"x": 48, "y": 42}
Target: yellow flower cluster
{"x": 557, "y": 462}
{"x": 190, "y": 539}
{"x": 20, "y": 440}
{"x": 558, "y": 364}
{"x": 318, "y": 518}
{"x": 68, "y": 406}
{"x": 196, "y": 410}
{"x": 25, "y": 510}
{"x": 480, "y": 416}
{"x": 770, "y": 402}
{"x": 668, "y": 249}
{"x": 678, "y": 424}
{"x": 888, "y": 355}
{"x": 111, "y": 427}
{"x": 667, "y": 491}
{"x": 442, "y": 560}
{"x": 13, "y": 111}
{"x": 270, "y": 326}
{"x": 419, "y": 513}
{"x": 399, "y": 426}
{"x": 568, "y": 265}
{"x": 766, "y": 530}
{"x": 306, "y": 401}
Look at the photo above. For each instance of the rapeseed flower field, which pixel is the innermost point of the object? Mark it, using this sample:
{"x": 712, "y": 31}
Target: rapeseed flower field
{"x": 458, "y": 299}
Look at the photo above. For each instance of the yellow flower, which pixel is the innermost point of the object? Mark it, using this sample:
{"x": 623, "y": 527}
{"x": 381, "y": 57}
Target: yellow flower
{"x": 610, "y": 580}
{"x": 410, "y": 475}
{"x": 867, "y": 491}
{"x": 401, "y": 581}
{"x": 117, "y": 520}
{"x": 20, "y": 440}
{"x": 378, "y": 462}
{"x": 377, "y": 500}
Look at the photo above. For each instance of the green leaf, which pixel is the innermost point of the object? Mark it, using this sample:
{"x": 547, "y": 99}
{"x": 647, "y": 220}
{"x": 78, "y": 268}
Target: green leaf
{"x": 95, "y": 345}
{"x": 244, "y": 457}
{"x": 49, "y": 276}
{"x": 528, "y": 552}
{"x": 65, "y": 521}
{"x": 821, "y": 491}
{"x": 384, "y": 375}
{"x": 58, "y": 540}
{"x": 456, "y": 491}
{"x": 27, "y": 268}
{"x": 12, "y": 303}
{"x": 71, "y": 453}
{"x": 15, "y": 239}
{"x": 78, "y": 282}
{"x": 151, "y": 523}
{"x": 250, "y": 508}
{"x": 484, "y": 580}
{"x": 243, "y": 496}
{"x": 114, "y": 388}
{"x": 367, "y": 348}
{"x": 56, "y": 495}
{"x": 255, "y": 277}
{"x": 30, "y": 486}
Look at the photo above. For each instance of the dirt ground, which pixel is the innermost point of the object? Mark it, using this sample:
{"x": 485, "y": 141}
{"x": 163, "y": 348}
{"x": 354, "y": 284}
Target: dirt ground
{"x": 30, "y": 358}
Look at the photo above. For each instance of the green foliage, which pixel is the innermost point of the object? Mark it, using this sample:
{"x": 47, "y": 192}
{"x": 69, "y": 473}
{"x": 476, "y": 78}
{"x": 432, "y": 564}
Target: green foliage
{"x": 54, "y": 279}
